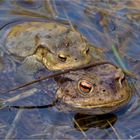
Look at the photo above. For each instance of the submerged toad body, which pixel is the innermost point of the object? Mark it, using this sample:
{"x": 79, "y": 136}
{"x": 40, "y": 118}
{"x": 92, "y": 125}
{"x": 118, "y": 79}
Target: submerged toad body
{"x": 96, "y": 90}
{"x": 54, "y": 45}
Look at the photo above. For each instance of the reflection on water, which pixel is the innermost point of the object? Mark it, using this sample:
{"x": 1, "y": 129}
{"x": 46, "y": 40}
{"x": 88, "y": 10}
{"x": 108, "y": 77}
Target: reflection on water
{"x": 84, "y": 122}
{"x": 104, "y": 23}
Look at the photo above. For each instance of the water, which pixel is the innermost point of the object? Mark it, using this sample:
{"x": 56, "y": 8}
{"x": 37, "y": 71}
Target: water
{"x": 105, "y": 24}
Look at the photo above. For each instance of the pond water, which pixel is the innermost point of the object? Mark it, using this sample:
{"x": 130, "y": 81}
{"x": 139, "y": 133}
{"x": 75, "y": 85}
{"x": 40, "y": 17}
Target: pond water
{"x": 108, "y": 24}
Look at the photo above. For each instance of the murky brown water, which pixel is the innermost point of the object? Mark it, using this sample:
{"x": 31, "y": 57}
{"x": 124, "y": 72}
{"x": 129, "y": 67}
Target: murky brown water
{"x": 103, "y": 22}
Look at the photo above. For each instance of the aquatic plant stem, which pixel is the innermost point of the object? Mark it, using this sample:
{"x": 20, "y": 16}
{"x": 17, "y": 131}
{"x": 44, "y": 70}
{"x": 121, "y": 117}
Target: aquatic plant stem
{"x": 58, "y": 74}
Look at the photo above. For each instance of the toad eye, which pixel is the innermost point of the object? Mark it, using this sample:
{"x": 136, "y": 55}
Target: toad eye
{"x": 62, "y": 57}
{"x": 86, "y": 51}
{"x": 85, "y": 86}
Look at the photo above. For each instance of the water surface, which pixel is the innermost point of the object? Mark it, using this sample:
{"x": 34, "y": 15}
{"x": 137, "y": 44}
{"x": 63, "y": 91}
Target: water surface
{"x": 106, "y": 24}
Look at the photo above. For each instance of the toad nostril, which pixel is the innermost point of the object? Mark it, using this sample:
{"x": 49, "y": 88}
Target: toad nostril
{"x": 104, "y": 90}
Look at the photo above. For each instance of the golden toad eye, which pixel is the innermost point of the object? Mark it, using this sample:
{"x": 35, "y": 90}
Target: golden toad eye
{"x": 62, "y": 57}
{"x": 87, "y": 50}
{"x": 85, "y": 87}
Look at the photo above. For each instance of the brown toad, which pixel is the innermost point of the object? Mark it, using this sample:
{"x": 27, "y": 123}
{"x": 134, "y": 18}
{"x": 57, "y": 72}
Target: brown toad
{"x": 96, "y": 90}
{"x": 55, "y": 45}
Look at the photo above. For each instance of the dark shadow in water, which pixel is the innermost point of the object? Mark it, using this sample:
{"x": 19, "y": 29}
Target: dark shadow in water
{"x": 4, "y": 105}
{"x": 83, "y": 122}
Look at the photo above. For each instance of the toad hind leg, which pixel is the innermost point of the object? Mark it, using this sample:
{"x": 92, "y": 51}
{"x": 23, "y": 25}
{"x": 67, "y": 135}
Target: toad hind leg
{"x": 28, "y": 68}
